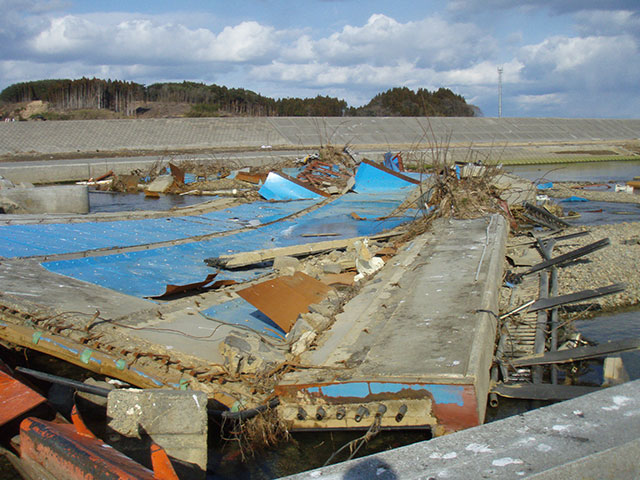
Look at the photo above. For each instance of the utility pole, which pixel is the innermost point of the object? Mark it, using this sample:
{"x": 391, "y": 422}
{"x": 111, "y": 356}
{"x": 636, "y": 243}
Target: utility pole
{"x": 500, "y": 92}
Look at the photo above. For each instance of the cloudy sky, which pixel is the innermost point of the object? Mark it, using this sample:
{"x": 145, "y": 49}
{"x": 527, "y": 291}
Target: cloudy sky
{"x": 561, "y": 58}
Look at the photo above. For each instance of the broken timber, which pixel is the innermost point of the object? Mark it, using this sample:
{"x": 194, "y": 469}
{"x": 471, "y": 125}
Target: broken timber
{"x": 245, "y": 259}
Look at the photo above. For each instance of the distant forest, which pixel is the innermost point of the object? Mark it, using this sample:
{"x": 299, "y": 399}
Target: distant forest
{"x": 214, "y": 100}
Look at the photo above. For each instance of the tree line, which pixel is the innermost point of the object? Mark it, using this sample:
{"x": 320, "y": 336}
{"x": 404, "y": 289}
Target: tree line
{"x": 215, "y": 100}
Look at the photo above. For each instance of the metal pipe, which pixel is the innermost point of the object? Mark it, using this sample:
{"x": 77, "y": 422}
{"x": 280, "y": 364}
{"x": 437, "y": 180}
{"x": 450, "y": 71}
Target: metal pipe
{"x": 79, "y": 386}
{"x": 554, "y": 323}
{"x": 402, "y": 411}
{"x": 541, "y": 326}
{"x": 361, "y": 413}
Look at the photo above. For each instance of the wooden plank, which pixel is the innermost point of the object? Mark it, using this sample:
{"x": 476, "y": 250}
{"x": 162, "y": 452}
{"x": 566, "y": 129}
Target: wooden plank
{"x": 284, "y": 298}
{"x": 244, "y": 259}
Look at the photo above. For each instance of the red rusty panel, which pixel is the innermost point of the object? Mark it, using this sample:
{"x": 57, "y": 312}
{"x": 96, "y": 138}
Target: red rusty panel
{"x": 178, "y": 289}
{"x": 61, "y": 451}
{"x": 254, "y": 178}
{"x": 16, "y": 399}
{"x": 284, "y": 298}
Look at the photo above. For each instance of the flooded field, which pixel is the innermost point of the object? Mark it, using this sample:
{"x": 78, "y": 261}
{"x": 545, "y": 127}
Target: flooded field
{"x": 594, "y": 172}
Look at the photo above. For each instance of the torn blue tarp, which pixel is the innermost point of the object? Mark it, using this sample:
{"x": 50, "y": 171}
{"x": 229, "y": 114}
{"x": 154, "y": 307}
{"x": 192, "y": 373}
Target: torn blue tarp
{"x": 57, "y": 238}
{"x": 393, "y": 162}
{"x": 574, "y": 199}
{"x": 372, "y": 177}
{"x": 280, "y": 186}
{"x": 240, "y": 312}
{"x": 146, "y": 273}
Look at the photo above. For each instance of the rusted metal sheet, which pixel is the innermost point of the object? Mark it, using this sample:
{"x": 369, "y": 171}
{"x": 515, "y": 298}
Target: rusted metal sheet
{"x": 254, "y": 178}
{"x": 177, "y": 173}
{"x": 284, "y": 298}
{"x": 16, "y": 399}
{"x": 172, "y": 290}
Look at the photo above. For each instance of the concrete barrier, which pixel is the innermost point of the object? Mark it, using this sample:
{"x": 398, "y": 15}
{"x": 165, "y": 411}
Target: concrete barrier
{"x": 51, "y": 199}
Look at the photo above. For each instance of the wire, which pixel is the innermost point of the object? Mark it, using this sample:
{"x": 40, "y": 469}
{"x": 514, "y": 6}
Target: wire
{"x": 373, "y": 430}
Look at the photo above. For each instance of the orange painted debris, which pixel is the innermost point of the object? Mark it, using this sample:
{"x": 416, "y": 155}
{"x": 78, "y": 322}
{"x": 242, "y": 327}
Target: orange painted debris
{"x": 16, "y": 399}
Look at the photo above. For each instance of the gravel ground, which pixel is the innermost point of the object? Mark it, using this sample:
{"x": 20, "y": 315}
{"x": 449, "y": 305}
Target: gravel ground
{"x": 618, "y": 262}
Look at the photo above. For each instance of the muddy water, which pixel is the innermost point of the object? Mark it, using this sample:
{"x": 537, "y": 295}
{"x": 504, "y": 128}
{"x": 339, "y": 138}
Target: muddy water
{"x": 596, "y": 172}
{"x": 612, "y": 326}
{"x": 126, "y": 202}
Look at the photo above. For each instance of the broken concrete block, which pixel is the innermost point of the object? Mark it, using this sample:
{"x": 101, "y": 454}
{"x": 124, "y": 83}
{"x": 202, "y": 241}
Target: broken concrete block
{"x": 286, "y": 265}
{"x": 5, "y": 183}
{"x": 161, "y": 184}
{"x": 317, "y": 321}
{"x": 248, "y": 354}
{"x": 303, "y": 343}
{"x": 366, "y": 263}
{"x": 175, "y": 420}
{"x": 323, "y": 308}
{"x": 299, "y": 328}
{"x": 332, "y": 268}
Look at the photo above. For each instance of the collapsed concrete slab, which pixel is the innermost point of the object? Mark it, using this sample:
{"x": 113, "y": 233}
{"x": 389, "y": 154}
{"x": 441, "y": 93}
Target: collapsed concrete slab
{"x": 50, "y": 199}
{"x": 414, "y": 348}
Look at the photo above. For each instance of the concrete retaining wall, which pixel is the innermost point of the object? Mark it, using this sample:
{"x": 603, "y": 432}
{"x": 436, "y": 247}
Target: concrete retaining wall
{"x": 52, "y": 199}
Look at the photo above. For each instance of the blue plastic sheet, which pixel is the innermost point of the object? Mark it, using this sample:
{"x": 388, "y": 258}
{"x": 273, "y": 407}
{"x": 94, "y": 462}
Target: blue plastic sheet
{"x": 27, "y": 240}
{"x": 277, "y": 187}
{"x": 370, "y": 178}
{"x": 242, "y": 313}
{"x": 146, "y": 273}
{"x": 544, "y": 186}
{"x": 574, "y": 199}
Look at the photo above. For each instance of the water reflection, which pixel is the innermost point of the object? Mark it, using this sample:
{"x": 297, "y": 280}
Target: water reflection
{"x": 125, "y": 202}
{"x": 612, "y": 326}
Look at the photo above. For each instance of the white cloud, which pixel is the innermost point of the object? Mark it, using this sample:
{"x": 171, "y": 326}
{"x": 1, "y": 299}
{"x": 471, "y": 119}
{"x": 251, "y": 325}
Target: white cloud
{"x": 596, "y": 56}
{"x": 384, "y": 41}
{"x": 77, "y": 38}
{"x": 579, "y": 63}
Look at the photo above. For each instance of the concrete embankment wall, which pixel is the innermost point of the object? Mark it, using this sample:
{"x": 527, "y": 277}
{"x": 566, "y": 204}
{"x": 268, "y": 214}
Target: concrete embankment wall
{"x": 384, "y": 132}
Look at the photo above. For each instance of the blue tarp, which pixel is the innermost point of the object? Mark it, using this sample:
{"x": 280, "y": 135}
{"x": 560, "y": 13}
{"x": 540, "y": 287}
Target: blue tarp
{"x": 392, "y": 162}
{"x": 544, "y": 186}
{"x": 370, "y": 178}
{"x": 277, "y": 187}
{"x": 574, "y": 199}
{"x": 146, "y": 273}
{"x": 26, "y": 240}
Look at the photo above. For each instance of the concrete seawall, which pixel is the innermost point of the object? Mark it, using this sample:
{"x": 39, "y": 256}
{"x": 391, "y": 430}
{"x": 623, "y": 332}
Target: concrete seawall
{"x": 181, "y": 133}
